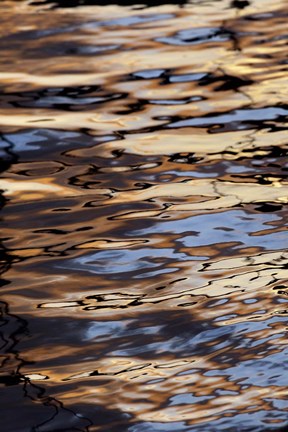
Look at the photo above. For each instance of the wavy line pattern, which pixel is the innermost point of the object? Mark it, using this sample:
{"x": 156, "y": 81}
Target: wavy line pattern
{"x": 144, "y": 216}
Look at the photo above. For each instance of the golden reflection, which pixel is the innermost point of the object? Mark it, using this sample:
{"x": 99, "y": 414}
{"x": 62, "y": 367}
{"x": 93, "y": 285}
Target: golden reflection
{"x": 143, "y": 184}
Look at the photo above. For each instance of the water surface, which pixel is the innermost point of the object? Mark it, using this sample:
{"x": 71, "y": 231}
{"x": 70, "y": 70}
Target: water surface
{"x": 144, "y": 216}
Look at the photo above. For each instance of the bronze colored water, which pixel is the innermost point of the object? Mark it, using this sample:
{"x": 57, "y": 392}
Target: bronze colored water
{"x": 144, "y": 216}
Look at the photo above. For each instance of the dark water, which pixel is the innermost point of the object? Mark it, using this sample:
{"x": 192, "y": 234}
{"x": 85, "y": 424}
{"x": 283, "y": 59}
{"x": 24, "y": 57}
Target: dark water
{"x": 144, "y": 216}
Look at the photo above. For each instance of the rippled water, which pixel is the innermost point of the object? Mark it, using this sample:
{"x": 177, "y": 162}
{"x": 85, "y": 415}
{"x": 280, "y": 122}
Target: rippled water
{"x": 144, "y": 184}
